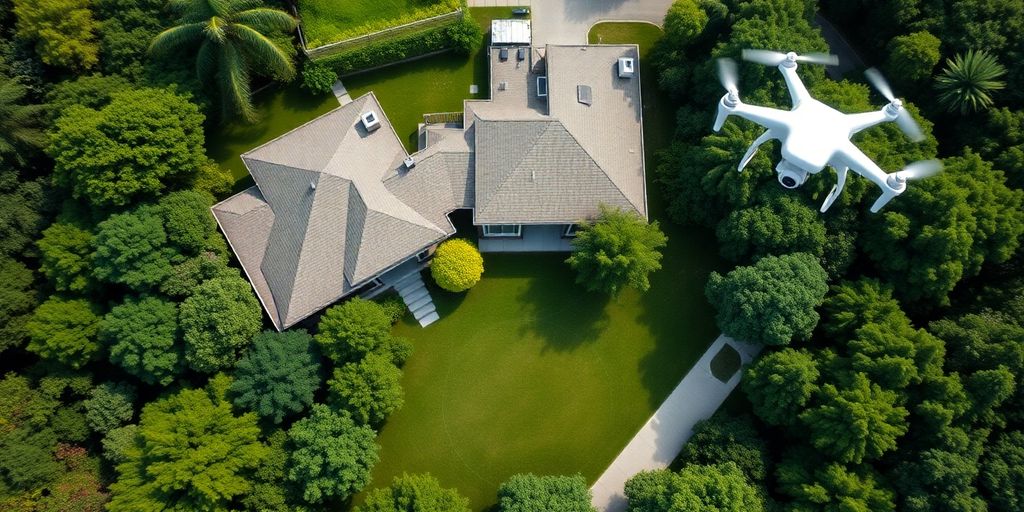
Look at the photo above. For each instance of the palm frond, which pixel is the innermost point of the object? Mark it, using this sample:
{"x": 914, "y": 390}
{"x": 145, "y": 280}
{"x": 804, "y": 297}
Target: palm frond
{"x": 222, "y": 8}
{"x": 174, "y": 37}
{"x": 206, "y": 60}
{"x": 234, "y": 83}
{"x": 216, "y": 29}
{"x": 968, "y": 81}
{"x": 264, "y": 52}
{"x": 265, "y": 20}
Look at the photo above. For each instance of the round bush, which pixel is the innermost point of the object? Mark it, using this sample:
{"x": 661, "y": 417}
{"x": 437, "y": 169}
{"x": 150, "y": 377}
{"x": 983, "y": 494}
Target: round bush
{"x": 457, "y": 265}
{"x": 318, "y": 78}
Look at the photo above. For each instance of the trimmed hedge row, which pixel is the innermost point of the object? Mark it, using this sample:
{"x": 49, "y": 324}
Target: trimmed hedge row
{"x": 321, "y": 32}
{"x": 458, "y": 36}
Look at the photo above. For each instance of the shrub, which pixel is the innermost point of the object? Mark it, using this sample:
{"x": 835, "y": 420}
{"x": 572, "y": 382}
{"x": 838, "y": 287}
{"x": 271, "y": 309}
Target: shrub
{"x": 318, "y": 77}
{"x": 465, "y": 35}
{"x": 457, "y": 265}
{"x": 414, "y": 492}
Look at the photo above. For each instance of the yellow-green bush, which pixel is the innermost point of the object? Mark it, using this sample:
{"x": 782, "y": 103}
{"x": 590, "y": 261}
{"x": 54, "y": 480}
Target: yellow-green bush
{"x": 457, "y": 265}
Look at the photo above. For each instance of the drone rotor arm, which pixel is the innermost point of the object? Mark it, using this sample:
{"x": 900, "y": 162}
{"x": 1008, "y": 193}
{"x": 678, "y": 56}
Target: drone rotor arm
{"x": 771, "y": 118}
{"x": 865, "y": 120}
{"x": 856, "y": 160}
{"x": 797, "y": 90}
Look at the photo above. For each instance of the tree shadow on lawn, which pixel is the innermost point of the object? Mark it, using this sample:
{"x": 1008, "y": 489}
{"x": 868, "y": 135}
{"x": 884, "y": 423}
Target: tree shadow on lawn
{"x": 556, "y": 309}
{"x": 676, "y": 311}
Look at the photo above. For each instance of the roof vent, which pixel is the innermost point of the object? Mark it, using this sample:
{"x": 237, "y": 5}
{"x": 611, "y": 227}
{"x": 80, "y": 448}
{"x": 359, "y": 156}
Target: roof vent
{"x": 312, "y": 185}
{"x": 627, "y": 67}
{"x": 584, "y": 95}
{"x": 502, "y": 86}
{"x": 370, "y": 121}
{"x": 410, "y": 162}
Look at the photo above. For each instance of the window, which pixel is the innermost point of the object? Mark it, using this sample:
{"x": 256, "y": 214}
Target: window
{"x": 424, "y": 254}
{"x": 542, "y": 86}
{"x": 570, "y": 230}
{"x": 502, "y": 229}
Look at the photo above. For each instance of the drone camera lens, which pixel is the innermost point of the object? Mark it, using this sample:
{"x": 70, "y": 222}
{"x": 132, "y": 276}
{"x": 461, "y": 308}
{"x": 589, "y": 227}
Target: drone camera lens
{"x": 788, "y": 182}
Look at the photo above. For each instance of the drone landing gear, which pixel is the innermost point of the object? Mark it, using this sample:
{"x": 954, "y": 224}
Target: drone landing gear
{"x": 836, "y": 189}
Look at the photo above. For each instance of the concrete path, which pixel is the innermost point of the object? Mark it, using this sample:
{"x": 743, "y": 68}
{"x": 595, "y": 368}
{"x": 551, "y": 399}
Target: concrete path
{"x": 499, "y": 3}
{"x": 661, "y": 439}
{"x": 341, "y": 93}
{"x": 569, "y": 21}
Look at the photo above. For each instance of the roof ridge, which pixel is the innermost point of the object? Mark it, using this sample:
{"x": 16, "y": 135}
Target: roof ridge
{"x": 303, "y": 125}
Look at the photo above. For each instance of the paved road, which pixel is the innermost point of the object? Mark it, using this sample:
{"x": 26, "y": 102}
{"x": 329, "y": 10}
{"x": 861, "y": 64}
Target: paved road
{"x": 660, "y": 440}
{"x": 569, "y": 21}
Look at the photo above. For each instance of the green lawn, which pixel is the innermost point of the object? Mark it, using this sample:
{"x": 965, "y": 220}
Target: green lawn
{"x": 328, "y": 21}
{"x": 527, "y": 372}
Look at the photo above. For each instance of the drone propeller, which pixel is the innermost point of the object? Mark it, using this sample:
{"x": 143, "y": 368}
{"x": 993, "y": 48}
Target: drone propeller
{"x": 903, "y": 118}
{"x": 728, "y": 75}
{"x": 919, "y": 170}
{"x": 770, "y": 58}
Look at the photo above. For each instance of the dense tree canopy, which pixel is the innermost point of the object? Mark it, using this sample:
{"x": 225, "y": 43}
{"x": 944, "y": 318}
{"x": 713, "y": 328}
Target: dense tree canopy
{"x": 782, "y": 225}
{"x": 19, "y": 122}
{"x": 131, "y": 249}
{"x": 191, "y": 453}
{"x": 617, "y": 250}
{"x": 278, "y": 375}
{"x": 142, "y": 334}
{"x": 781, "y": 384}
{"x": 17, "y": 299}
{"x": 66, "y": 256}
{"x": 912, "y": 56}
{"x": 771, "y": 302}
{"x": 332, "y": 456}
{"x": 420, "y": 492}
{"x": 833, "y": 488}
{"x": 109, "y": 406}
{"x": 532, "y": 493}
{"x": 218, "y": 321}
{"x": 349, "y": 331}
{"x": 370, "y": 390}
{"x": 65, "y": 330}
{"x": 139, "y": 145}
{"x": 64, "y": 31}
{"x": 22, "y": 205}
{"x": 696, "y": 487}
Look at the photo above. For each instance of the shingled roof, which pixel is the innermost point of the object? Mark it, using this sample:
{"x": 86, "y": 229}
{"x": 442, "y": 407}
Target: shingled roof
{"x": 321, "y": 221}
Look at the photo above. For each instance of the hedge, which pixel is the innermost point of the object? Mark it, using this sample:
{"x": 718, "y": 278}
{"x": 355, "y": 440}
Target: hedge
{"x": 400, "y": 48}
{"x": 320, "y": 32}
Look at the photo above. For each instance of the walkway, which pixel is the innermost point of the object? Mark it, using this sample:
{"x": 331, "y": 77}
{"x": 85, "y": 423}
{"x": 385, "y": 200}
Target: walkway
{"x": 341, "y": 93}
{"x": 661, "y": 439}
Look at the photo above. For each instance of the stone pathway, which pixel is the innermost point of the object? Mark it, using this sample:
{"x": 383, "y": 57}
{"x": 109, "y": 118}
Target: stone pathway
{"x": 661, "y": 439}
{"x": 341, "y": 93}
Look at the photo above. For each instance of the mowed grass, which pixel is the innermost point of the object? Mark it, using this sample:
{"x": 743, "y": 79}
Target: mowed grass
{"x": 528, "y": 372}
{"x": 328, "y": 21}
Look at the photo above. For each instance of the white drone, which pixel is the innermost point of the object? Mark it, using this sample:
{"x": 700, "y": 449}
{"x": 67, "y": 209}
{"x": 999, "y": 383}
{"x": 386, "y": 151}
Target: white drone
{"x": 814, "y": 135}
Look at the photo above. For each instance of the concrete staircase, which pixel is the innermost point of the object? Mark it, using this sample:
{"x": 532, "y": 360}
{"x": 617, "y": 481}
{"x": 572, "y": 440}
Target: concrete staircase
{"x": 417, "y": 298}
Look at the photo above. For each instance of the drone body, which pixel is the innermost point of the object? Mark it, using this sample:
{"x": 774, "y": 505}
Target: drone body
{"x": 814, "y": 135}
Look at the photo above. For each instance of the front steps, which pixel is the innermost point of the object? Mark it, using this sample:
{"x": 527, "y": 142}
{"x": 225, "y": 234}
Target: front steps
{"x": 417, "y": 298}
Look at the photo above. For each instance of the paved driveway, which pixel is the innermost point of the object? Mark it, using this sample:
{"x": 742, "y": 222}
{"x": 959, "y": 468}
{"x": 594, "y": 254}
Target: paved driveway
{"x": 569, "y": 21}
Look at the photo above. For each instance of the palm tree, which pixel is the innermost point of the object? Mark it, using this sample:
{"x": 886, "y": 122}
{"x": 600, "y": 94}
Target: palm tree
{"x": 233, "y": 42}
{"x": 19, "y": 123}
{"x": 968, "y": 81}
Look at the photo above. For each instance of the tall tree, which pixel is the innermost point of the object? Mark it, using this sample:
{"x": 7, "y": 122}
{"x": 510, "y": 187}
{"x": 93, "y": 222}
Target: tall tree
{"x": 617, "y": 250}
{"x": 370, "y": 390}
{"x": 912, "y": 57}
{"x": 420, "y": 492}
{"x": 332, "y": 456}
{"x": 131, "y": 249}
{"x": 780, "y": 385}
{"x": 191, "y": 453}
{"x": 66, "y": 256}
{"x": 142, "y": 334}
{"x": 833, "y": 487}
{"x": 771, "y": 302}
{"x": 719, "y": 487}
{"x": 19, "y": 123}
{"x": 65, "y": 330}
{"x": 64, "y": 31}
{"x": 349, "y": 331}
{"x": 233, "y": 43}
{"x": 278, "y": 375}
{"x": 218, "y": 321}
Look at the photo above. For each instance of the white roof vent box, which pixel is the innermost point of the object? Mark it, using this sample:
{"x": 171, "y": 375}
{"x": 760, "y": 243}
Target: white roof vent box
{"x": 410, "y": 162}
{"x": 627, "y": 67}
{"x": 370, "y": 121}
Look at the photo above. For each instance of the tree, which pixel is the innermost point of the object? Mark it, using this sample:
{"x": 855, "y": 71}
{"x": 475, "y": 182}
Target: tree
{"x": 771, "y": 302}
{"x": 143, "y": 142}
{"x": 619, "y": 249}
{"x": 943, "y": 479}
{"x": 1002, "y": 472}
{"x": 780, "y": 385}
{"x": 65, "y": 256}
{"x": 110, "y": 406}
{"x": 981, "y": 341}
{"x": 833, "y": 487}
{"x": 119, "y": 442}
{"x": 22, "y": 204}
{"x": 695, "y": 488}
{"x": 17, "y": 300}
{"x": 349, "y": 331}
{"x": 318, "y": 78}
{"x": 457, "y": 265}
{"x": 128, "y": 26}
{"x": 370, "y": 390}
{"x": 465, "y": 36}
{"x": 894, "y": 354}
{"x": 142, "y": 333}
{"x": 26, "y": 439}
{"x": 65, "y": 330}
{"x": 852, "y": 304}
{"x": 945, "y": 228}
{"x": 19, "y": 123}
{"x": 685, "y": 21}
{"x": 217, "y": 321}
{"x": 855, "y": 423}
{"x": 278, "y": 375}
{"x": 93, "y": 91}
{"x": 191, "y": 453}
{"x": 64, "y": 31}
{"x": 532, "y": 493}
{"x": 782, "y": 225}
{"x": 968, "y": 81}
{"x": 422, "y": 493}
{"x": 728, "y": 438}
{"x": 332, "y": 456}
{"x": 131, "y": 249}
{"x": 233, "y": 42}
{"x": 912, "y": 56}
{"x": 187, "y": 219}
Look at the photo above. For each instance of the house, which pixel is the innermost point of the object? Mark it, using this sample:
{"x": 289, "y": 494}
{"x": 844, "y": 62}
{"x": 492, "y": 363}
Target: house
{"x": 339, "y": 203}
